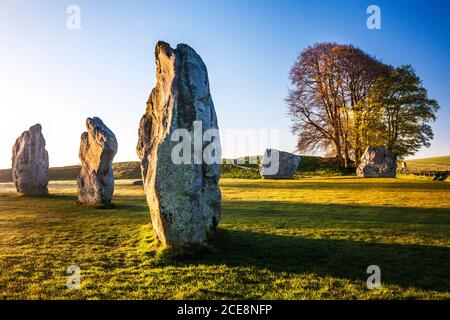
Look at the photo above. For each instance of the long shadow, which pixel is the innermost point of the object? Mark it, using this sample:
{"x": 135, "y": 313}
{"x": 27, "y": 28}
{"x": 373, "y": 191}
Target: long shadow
{"x": 128, "y": 207}
{"x": 62, "y": 197}
{"x": 58, "y": 197}
{"x": 120, "y": 203}
{"x": 326, "y": 185}
{"x": 406, "y": 265}
{"x": 425, "y": 267}
{"x": 296, "y": 214}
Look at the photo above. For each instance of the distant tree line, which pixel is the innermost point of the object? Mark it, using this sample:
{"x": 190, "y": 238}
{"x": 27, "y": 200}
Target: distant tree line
{"x": 343, "y": 99}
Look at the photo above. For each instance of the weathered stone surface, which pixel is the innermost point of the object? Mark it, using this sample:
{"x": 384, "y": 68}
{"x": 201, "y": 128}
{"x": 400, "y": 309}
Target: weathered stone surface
{"x": 184, "y": 199}
{"x": 286, "y": 168}
{"x": 97, "y": 150}
{"x": 377, "y": 163}
{"x": 30, "y": 163}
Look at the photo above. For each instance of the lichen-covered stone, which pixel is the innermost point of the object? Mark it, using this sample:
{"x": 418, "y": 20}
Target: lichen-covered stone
{"x": 377, "y": 162}
{"x": 30, "y": 163}
{"x": 184, "y": 199}
{"x": 278, "y": 164}
{"x": 97, "y": 150}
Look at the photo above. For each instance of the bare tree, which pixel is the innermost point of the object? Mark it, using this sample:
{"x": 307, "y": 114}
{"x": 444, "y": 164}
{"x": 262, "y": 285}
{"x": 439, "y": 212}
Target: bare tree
{"x": 315, "y": 116}
{"x": 328, "y": 99}
{"x": 359, "y": 72}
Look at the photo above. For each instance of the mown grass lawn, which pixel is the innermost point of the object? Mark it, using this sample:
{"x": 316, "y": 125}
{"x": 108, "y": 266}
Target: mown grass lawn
{"x": 302, "y": 239}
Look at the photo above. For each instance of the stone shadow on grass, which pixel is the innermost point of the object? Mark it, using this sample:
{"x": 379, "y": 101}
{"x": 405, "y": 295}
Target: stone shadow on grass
{"x": 365, "y": 184}
{"x": 51, "y": 196}
{"x": 294, "y": 215}
{"x": 121, "y": 204}
{"x": 424, "y": 267}
{"x": 405, "y": 265}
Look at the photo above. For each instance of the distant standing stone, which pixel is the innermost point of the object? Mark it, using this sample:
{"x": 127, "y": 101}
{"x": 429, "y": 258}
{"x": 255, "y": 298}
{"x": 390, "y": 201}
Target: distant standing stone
{"x": 97, "y": 150}
{"x": 30, "y": 163}
{"x": 184, "y": 199}
{"x": 278, "y": 164}
{"x": 377, "y": 162}
{"x": 404, "y": 166}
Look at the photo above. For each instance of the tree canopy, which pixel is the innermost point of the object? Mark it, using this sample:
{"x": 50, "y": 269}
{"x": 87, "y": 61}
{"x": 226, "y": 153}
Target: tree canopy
{"x": 343, "y": 99}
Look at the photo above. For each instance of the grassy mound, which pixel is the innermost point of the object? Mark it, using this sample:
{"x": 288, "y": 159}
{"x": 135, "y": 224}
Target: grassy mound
{"x": 234, "y": 172}
{"x": 122, "y": 170}
{"x": 430, "y": 164}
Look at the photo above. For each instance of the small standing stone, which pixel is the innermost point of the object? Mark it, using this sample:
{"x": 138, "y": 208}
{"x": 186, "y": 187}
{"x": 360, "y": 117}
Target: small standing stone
{"x": 30, "y": 163}
{"x": 404, "y": 166}
{"x": 377, "y": 162}
{"x": 278, "y": 164}
{"x": 97, "y": 150}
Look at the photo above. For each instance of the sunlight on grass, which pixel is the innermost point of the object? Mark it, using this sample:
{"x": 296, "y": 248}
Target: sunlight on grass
{"x": 302, "y": 239}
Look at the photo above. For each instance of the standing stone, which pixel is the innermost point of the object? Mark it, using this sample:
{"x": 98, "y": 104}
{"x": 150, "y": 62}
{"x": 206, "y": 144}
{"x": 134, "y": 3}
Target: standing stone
{"x": 30, "y": 163}
{"x": 97, "y": 150}
{"x": 404, "y": 166}
{"x": 377, "y": 163}
{"x": 278, "y": 164}
{"x": 184, "y": 199}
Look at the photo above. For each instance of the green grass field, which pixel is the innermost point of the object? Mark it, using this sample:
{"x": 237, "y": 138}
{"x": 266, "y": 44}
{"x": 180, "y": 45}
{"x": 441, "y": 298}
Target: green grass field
{"x": 301, "y": 239}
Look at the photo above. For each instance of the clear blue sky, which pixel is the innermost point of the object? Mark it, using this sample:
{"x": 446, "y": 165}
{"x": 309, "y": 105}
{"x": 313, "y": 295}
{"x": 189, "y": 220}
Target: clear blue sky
{"x": 58, "y": 77}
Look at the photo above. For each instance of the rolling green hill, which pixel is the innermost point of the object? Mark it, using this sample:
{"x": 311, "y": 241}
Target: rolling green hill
{"x": 128, "y": 170}
{"x": 122, "y": 170}
{"x": 435, "y": 163}
{"x": 309, "y": 165}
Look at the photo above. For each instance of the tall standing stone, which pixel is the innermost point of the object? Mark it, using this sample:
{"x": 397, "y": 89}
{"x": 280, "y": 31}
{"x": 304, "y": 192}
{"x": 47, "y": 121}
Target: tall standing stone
{"x": 97, "y": 150}
{"x": 184, "y": 199}
{"x": 30, "y": 163}
{"x": 377, "y": 163}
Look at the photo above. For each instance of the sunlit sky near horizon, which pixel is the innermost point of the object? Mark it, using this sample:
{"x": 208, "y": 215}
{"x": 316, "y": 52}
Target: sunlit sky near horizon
{"x": 58, "y": 77}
